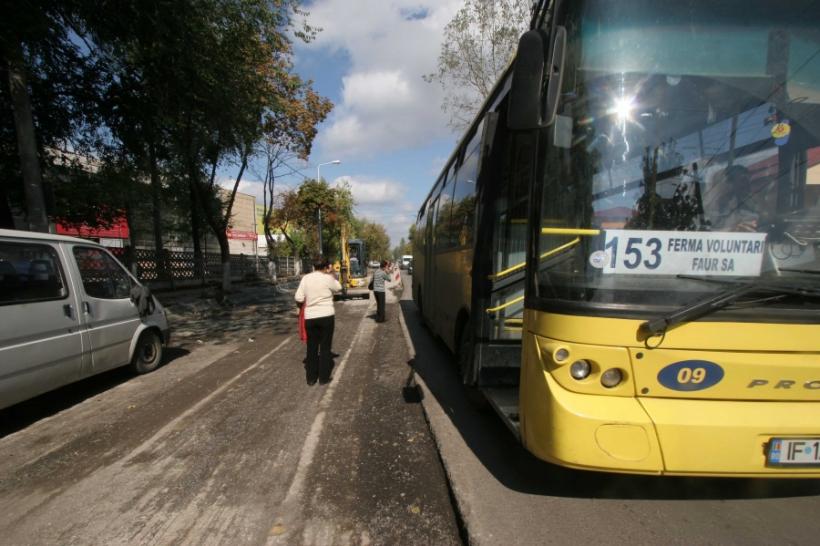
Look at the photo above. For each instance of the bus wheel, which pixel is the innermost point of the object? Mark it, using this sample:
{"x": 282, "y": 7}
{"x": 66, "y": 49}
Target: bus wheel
{"x": 465, "y": 360}
{"x": 148, "y": 352}
{"x": 420, "y": 308}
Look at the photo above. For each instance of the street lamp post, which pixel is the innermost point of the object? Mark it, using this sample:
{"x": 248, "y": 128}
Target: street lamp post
{"x": 319, "y": 208}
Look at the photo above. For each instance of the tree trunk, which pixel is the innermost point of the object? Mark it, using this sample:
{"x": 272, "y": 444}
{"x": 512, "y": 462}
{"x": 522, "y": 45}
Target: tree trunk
{"x": 225, "y": 258}
{"x": 196, "y": 235}
{"x": 156, "y": 197}
{"x": 131, "y": 252}
{"x": 220, "y": 225}
{"x": 26, "y": 142}
{"x": 156, "y": 213}
{"x": 6, "y": 216}
{"x": 218, "y": 229}
{"x": 267, "y": 195}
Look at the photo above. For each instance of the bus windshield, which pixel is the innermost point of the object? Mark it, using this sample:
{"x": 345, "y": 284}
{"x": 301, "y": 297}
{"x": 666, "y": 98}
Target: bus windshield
{"x": 685, "y": 154}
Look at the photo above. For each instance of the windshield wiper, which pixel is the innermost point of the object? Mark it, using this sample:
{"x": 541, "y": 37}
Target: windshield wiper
{"x": 716, "y": 302}
{"x": 806, "y": 271}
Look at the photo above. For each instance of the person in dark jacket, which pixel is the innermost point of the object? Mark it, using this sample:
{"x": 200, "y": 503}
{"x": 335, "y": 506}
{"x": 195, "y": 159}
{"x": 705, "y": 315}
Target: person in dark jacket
{"x": 380, "y": 278}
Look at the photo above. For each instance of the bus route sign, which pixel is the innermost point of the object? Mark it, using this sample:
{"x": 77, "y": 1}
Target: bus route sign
{"x": 637, "y": 252}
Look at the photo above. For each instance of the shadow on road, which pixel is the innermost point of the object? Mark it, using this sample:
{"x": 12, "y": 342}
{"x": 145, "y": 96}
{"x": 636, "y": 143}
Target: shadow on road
{"x": 513, "y": 466}
{"x": 198, "y": 317}
{"x": 23, "y": 414}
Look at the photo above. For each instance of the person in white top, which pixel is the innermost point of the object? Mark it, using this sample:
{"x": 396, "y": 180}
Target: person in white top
{"x": 316, "y": 292}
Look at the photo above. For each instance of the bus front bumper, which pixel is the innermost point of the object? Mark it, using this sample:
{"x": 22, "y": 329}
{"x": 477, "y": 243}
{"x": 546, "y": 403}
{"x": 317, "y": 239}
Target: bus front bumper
{"x": 660, "y": 435}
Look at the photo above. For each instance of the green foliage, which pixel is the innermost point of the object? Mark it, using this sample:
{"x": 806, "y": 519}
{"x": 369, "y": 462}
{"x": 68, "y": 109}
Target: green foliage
{"x": 164, "y": 92}
{"x": 479, "y": 42}
{"x": 296, "y": 216}
{"x": 63, "y": 85}
{"x": 376, "y": 239}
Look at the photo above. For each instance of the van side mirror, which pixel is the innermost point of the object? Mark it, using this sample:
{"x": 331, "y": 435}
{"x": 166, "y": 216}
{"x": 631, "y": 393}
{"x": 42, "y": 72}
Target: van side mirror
{"x": 527, "y": 109}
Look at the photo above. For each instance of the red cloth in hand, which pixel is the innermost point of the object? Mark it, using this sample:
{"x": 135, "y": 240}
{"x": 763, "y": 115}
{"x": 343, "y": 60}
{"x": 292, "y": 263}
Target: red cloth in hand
{"x": 302, "y": 329}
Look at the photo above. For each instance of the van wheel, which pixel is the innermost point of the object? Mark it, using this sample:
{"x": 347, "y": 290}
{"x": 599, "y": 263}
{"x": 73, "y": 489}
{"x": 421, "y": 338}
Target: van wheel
{"x": 148, "y": 352}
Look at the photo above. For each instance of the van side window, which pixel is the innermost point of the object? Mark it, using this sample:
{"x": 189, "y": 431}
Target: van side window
{"x": 102, "y": 276}
{"x": 30, "y": 273}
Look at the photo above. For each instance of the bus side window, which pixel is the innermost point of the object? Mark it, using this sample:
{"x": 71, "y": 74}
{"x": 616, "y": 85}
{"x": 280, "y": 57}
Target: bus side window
{"x": 464, "y": 199}
{"x": 420, "y": 238}
{"x": 444, "y": 236}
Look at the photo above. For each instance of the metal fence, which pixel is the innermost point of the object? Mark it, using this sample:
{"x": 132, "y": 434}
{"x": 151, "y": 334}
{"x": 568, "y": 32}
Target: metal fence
{"x": 180, "y": 269}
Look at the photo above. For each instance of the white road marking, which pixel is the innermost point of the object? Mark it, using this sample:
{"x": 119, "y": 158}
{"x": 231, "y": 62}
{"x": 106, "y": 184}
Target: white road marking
{"x": 297, "y": 486}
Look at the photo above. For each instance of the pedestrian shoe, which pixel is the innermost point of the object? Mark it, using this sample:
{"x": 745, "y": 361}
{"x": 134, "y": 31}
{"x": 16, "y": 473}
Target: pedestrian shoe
{"x": 325, "y": 381}
{"x": 311, "y": 382}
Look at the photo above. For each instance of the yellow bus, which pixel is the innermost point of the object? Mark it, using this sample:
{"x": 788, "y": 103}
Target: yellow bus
{"x": 623, "y": 250}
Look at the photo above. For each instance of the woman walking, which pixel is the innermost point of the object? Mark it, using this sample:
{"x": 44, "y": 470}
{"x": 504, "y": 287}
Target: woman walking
{"x": 315, "y": 293}
{"x": 380, "y": 277}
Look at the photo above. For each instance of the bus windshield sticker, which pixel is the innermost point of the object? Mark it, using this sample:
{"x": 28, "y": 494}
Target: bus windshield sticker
{"x": 598, "y": 259}
{"x": 635, "y": 252}
{"x": 781, "y": 132}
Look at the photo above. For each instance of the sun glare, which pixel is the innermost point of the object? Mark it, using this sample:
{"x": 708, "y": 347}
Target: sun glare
{"x": 622, "y": 108}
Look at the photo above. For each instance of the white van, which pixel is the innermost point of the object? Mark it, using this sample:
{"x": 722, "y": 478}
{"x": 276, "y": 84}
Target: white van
{"x": 405, "y": 261}
{"x": 69, "y": 310}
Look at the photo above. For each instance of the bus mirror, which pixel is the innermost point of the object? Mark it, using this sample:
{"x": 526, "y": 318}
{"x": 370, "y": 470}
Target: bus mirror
{"x": 524, "y": 110}
{"x": 528, "y": 80}
{"x": 556, "y": 70}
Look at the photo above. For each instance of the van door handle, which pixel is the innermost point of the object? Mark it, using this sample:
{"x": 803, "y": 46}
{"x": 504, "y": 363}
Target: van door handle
{"x": 86, "y": 308}
{"x": 68, "y": 310}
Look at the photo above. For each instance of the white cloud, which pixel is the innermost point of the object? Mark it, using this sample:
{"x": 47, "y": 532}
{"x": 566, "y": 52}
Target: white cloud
{"x": 376, "y": 91}
{"x": 384, "y": 202}
{"x": 391, "y": 44}
{"x": 370, "y": 192}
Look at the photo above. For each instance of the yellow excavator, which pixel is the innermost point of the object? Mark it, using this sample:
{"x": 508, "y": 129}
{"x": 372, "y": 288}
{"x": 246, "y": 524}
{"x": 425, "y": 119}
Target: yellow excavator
{"x": 352, "y": 267}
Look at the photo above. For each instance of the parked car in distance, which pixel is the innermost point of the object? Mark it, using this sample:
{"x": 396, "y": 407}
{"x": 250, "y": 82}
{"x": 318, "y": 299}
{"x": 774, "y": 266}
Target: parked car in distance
{"x": 70, "y": 310}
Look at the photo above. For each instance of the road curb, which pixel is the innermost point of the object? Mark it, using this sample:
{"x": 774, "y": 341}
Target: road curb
{"x": 433, "y": 414}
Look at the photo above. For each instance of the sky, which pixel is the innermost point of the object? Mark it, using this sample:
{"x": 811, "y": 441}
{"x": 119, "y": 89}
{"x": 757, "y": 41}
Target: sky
{"x": 387, "y": 127}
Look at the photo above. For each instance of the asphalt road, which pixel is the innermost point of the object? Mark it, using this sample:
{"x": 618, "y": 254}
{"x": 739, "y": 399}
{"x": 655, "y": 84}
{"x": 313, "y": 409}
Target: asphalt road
{"x": 226, "y": 444}
{"x": 506, "y": 496}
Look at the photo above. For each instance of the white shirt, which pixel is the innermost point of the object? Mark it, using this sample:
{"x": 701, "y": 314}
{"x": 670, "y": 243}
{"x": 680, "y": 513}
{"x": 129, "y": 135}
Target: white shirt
{"x": 316, "y": 291}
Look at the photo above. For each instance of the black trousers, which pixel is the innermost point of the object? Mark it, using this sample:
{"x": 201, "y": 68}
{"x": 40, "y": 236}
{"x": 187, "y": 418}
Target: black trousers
{"x": 379, "y": 306}
{"x": 319, "y": 341}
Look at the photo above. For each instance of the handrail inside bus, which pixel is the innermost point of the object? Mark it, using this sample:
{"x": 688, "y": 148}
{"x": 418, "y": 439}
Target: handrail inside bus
{"x": 505, "y": 305}
{"x": 570, "y": 231}
{"x": 544, "y": 256}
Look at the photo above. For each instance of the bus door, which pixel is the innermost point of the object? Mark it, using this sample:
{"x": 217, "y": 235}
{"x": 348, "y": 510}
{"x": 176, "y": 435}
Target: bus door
{"x": 500, "y": 262}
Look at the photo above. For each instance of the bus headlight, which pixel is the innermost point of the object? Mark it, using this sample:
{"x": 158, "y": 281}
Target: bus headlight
{"x": 561, "y": 355}
{"x": 580, "y": 369}
{"x": 612, "y": 377}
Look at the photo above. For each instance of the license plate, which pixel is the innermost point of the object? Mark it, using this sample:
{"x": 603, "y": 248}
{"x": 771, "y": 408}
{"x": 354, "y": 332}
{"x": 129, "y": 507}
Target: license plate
{"x": 794, "y": 451}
